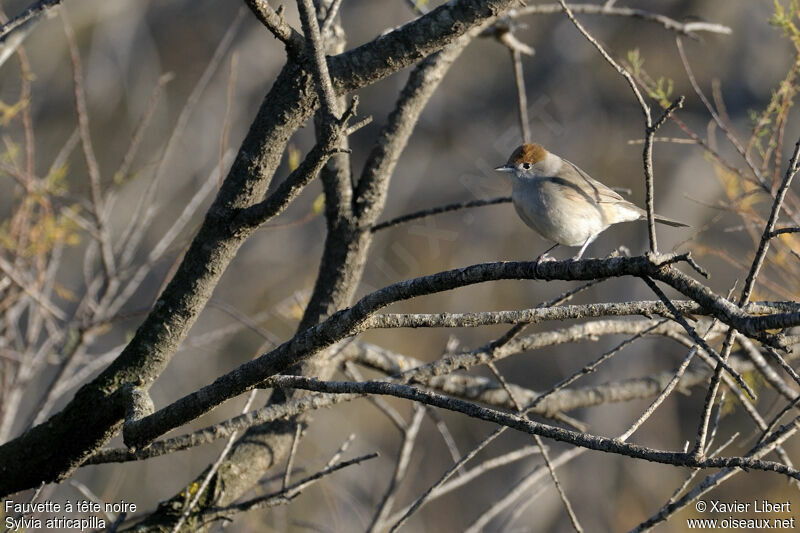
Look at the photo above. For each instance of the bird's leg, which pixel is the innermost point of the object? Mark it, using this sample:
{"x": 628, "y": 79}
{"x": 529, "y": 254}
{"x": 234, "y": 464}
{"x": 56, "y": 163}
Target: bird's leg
{"x": 583, "y": 248}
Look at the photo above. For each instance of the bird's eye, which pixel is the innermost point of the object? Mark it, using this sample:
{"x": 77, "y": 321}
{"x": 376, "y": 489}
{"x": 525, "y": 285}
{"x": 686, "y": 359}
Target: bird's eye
{"x": 526, "y": 166}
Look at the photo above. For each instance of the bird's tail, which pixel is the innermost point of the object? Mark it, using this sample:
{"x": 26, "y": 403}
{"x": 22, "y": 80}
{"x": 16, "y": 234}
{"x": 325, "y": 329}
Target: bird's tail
{"x": 669, "y": 222}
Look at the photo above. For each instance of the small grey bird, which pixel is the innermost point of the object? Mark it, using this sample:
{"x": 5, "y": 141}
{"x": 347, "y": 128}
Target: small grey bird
{"x": 562, "y": 202}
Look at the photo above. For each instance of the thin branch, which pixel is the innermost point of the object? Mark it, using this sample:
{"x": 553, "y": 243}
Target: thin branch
{"x": 383, "y": 406}
{"x": 293, "y": 185}
{"x": 783, "y": 231}
{"x": 14, "y": 31}
{"x": 666, "y": 391}
{"x": 224, "y": 429}
{"x": 522, "y": 100}
{"x": 522, "y": 424}
{"x": 95, "y": 187}
{"x": 27, "y": 286}
{"x": 444, "y": 485}
{"x": 529, "y": 316}
{"x": 754, "y": 355}
{"x": 763, "y": 246}
{"x": 277, "y": 25}
{"x": 714, "y": 115}
{"x": 282, "y": 497}
{"x": 201, "y": 490}
{"x": 429, "y": 493}
{"x": 315, "y": 51}
{"x": 446, "y": 434}
{"x": 144, "y": 210}
{"x": 371, "y": 191}
{"x": 721, "y": 358}
{"x": 591, "y": 367}
{"x": 744, "y": 297}
{"x": 401, "y": 467}
{"x": 647, "y": 155}
{"x": 290, "y": 460}
{"x": 622, "y": 71}
{"x": 714, "y": 480}
{"x": 563, "y": 495}
{"x": 336, "y": 457}
{"x": 330, "y": 16}
{"x": 438, "y": 210}
{"x": 138, "y": 134}
{"x": 687, "y": 28}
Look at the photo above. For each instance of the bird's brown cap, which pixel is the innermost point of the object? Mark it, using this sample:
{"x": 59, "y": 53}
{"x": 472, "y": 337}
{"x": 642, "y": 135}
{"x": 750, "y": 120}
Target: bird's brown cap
{"x": 527, "y": 153}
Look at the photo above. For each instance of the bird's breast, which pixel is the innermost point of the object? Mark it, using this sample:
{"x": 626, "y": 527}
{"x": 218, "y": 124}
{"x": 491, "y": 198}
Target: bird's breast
{"x": 557, "y": 214}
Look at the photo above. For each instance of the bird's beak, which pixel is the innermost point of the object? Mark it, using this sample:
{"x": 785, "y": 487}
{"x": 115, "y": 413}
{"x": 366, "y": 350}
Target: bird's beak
{"x": 504, "y": 168}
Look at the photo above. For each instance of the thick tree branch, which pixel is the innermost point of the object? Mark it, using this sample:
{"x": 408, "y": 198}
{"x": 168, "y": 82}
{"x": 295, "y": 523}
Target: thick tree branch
{"x": 354, "y": 320}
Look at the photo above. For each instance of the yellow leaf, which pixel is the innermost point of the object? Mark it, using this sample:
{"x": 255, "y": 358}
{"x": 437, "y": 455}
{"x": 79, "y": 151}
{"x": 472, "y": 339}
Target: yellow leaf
{"x": 64, "y": 293}
{"x": 319, "y": 204}
{"x": 294, "y": 157}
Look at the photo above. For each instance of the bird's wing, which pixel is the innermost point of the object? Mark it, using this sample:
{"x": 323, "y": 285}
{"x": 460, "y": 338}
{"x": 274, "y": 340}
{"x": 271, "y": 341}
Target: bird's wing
{"x": 585, "y": 185}
{"x": 599, "y": 192}
{"x": 614, "y": 207}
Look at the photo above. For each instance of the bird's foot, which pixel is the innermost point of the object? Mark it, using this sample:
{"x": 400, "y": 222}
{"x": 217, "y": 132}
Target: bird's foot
{"x": 543, "y": 258}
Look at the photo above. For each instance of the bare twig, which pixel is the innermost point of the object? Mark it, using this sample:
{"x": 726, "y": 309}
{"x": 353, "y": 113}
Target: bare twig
{"x": 95, "y": 187}
{"x": 647, "y": 155}
{"x": 528, "y": 426}
{"x": 784, "y": 231}
{"x": 277, "y": 25}
{"x": 714, "y": 480}
{"x": 315, "y": 51}
{"x": 721, "y": 359}
{"x": 622, "y": 71}
{"x": 290, "y": 460}
{"x": 719, "y": 122}
{"x": 282, "y": 497}
{"x": 294, "y": 184}
{"x": 682, "y": 28}
{"x": 522, "y": 99}
{"x": 138, "y": 134}
{"x": 763, "y": 246}
{"x": 429, "y": 493}
{"x": 446, "y": 485}
{"x": 211, "y": 472}
{"x": 401, "y": 466}
{"x": 330, "y": 16}
{"x": 437, "y": 210}
{"x": 650, "y": 126}
{"x": 144, "y": 212}
{"x": 391, "y": 413}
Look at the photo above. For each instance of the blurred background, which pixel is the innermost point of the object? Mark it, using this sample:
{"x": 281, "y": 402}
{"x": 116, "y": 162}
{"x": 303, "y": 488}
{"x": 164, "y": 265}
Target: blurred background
{"x": 580, "y": 108}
